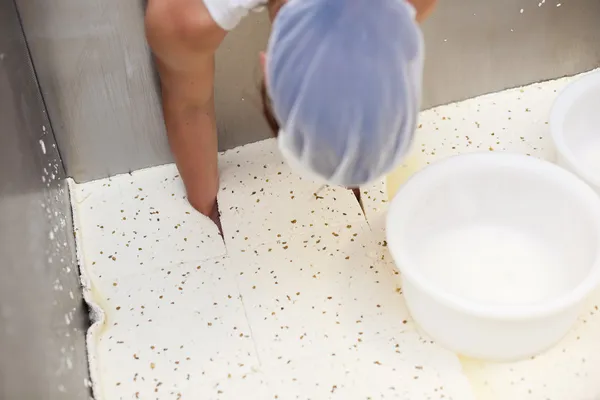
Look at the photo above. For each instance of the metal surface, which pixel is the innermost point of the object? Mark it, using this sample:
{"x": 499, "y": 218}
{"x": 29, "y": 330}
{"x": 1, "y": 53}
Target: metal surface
{"x": 238, "y": 76}
{"x": 95, "y": 70}
{"x": 42, "y": 317}
{"x": 476, "y": 47}
{"x": 99, "y": 84}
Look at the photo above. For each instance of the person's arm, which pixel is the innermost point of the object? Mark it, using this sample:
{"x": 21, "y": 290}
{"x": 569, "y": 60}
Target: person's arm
{"x": 184, "y": 38}
{"x": 423, "y": 7}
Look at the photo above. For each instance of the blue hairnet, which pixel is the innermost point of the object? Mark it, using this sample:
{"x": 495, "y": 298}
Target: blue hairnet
{"x": 344, "y": 78}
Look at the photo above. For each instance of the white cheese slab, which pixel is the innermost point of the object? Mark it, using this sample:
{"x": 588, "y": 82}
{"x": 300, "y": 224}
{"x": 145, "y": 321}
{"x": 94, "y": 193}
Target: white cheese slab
{"x": 131, "y": 223}
{"x": 260, "y": 198}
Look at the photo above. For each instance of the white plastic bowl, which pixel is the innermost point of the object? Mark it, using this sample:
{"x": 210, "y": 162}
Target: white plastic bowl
{"x": 497, "y": 252}
{"x": 575, "y": 128}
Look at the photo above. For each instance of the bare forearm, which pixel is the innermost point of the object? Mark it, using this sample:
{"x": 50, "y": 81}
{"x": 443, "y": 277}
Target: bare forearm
{"x": 187, "y": 84}
{"x": 184, "y": 38}
{"x": 192, "y": 136}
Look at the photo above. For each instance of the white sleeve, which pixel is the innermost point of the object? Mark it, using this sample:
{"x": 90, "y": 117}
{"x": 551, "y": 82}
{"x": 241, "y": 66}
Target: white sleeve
{"x": 228, "y": 13}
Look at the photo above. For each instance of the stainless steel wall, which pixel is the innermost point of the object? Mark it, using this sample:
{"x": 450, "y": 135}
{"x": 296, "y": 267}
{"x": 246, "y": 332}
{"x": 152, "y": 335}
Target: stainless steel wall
{"x": 98, "y": 82}
{"x": 95, "y": 70}
{"x": 483, "y": 46}
{"x": 42, "y": 318}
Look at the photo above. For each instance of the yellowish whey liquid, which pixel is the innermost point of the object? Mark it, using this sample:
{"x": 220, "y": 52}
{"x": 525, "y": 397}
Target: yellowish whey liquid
{"x": 413, "y": 163}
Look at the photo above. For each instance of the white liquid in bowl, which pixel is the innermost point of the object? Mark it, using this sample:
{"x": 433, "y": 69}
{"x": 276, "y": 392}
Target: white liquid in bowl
{"x": 495, "y": 265}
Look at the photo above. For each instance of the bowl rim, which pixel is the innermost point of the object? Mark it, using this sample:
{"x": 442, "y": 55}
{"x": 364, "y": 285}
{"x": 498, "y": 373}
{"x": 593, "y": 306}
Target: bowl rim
{"x": 558, "y": 113}
{"x": 408, "y": 268}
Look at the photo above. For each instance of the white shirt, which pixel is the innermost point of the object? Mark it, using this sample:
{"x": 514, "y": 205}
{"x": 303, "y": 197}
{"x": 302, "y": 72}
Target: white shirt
{"x": 228, "y": 13}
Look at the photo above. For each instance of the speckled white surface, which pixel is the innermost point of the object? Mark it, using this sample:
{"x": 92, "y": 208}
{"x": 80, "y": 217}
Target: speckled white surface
{"x": 374, "y": 199}
{"x": 569, "y": 371}
{"x": 261, "y": 200}
{"x": 300, "y": 300}
{"x": 140, "y": 220}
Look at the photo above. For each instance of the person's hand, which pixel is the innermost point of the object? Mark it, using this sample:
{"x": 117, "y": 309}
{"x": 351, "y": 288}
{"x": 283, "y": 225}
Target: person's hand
{"x": 424, "y": 8}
